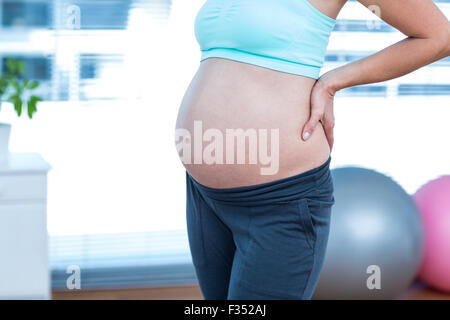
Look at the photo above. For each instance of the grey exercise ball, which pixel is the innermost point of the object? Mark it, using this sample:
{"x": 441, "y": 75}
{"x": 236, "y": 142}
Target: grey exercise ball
{"x": 375, "y": 244}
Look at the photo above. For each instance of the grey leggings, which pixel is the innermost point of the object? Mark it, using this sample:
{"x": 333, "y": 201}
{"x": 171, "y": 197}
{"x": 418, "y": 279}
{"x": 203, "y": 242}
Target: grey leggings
{"x": 265, "y": 241}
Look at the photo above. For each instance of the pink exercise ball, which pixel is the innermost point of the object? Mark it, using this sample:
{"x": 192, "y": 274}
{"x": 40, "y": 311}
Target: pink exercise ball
{"x": 433, "y": 202}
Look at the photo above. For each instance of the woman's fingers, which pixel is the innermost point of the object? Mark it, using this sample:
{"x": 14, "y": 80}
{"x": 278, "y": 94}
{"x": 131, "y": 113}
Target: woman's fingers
{"x": 327, "y": 123}
{"x": 321, "y": 110}
{"x": 309, "y": 127}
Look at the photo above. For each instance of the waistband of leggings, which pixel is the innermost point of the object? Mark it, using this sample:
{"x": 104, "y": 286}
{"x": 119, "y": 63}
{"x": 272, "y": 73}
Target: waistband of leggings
{"x": 281, "y": 190}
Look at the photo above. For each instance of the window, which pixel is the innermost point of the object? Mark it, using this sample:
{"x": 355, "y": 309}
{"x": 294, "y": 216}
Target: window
{"x": 34, "y": 67}
{"x": 104, "y": 15}
{"x": 30, "y": 14}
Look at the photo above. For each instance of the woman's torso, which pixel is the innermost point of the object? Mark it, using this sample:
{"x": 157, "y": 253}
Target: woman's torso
{"x": 226, "y": 95}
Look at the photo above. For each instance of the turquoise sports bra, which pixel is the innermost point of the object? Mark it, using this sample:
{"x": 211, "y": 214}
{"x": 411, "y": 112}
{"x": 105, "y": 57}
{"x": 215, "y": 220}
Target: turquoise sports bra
{"x": 285, "y": 35}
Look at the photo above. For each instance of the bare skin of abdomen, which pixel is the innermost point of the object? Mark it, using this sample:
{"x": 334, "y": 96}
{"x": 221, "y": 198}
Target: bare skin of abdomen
{"x": 228, "y": 95}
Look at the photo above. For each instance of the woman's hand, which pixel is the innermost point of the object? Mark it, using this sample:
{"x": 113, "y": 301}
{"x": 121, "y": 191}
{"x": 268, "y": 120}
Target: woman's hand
{"x": 322, "y": 96}
{"x": 428, "y": 40}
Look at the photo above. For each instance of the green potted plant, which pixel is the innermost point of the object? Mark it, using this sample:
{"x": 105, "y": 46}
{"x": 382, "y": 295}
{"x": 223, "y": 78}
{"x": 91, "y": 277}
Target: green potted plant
{"x": 17, "y": 90}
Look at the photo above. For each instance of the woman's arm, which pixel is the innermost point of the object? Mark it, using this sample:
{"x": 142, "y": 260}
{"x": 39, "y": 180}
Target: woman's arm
{"x": 428, "y": 39}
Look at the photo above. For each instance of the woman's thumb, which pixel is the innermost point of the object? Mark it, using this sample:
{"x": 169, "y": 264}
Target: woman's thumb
{"x": 309, "y": 126}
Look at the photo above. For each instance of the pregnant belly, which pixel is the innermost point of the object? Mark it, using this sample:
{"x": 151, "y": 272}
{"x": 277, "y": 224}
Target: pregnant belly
{"x": 240, "y": 124}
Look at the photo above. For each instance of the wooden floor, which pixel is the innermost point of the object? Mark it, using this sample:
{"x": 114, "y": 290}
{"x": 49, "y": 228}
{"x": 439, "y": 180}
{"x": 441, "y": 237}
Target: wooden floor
{"x": 161, "y": 293}
{"x": 417, "y": 291}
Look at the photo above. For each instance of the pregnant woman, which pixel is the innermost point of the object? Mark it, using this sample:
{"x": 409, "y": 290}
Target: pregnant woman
{"x": 255, "y": 133}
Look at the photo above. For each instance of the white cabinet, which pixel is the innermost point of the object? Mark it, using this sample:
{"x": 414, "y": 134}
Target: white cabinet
{"x": 24, "y": 267}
